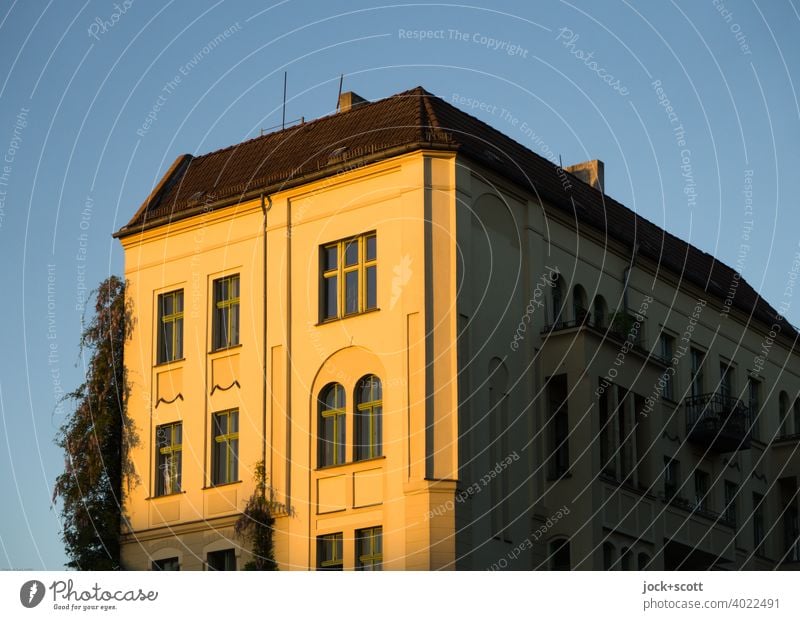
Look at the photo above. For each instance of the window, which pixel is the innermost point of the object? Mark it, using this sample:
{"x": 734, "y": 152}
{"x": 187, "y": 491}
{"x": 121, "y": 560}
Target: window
{"x": 559, "y": 425}
{"x": 666, "y": 349}
{"x": 608, "y": 556}
{"x": 349, "y": 283}
{"x": 725, "y": 380}
{"x": 643, "y": 561}
{"x": 226, "y": 312}
{"x": 170, "y": 326}
{"x": 701, "y": 489}
{"x": 558, "y": 298}
{"x": 369, "y": 548}
{"x": 731, "y": 496}
{"x": 169, "y": 443}
{"x": 671, "y": 473}
{"x": 579, "y": 311}
{"x": 222, "y": 560}
{"x": 225, "y": 450}
{"x": 166, "y": 564}
{"x": 559, "y": 555}
{"x": 783, "y": 413}
{"x": 608, "y": 461}
{"x": 331, "y": 426}
{"x": 329, "y": 552}
{"x": 758, "y": 523}
{"x": 600, "y": 312}
{"x": 697, "y": 372}
{"x": 754, "y": 403}
{"x": 369, "y": 409}
{"x": 796, "y": 408}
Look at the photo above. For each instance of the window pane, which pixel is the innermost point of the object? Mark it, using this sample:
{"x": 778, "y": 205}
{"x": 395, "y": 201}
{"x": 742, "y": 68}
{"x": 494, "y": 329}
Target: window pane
{"x": 351, "y": 253}
{"x": 234, "y": 330}
{"x": 371, "y": 247}
{"x": 377, "y": 430}
{"x": 351, "y": 292}
{"x": 340, "y": 438}
{"x": 372, "y": 287}
{"x": 234, "y": 287}
{"x": 166, "y": 304}
{"x": 331, "y": 307}
{"x": 178, "y": 353}
{"x": 330, "y": 258}
{"x": 179, "y": 301}
{"x": 233, "y": 474}
{"x": 220, "y": 340}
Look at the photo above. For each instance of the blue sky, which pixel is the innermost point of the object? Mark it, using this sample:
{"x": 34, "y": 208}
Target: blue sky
{"x": 91, "y": 115}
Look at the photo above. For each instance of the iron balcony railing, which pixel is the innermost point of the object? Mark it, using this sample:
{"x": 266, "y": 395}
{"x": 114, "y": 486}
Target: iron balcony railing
{"x": 718, "y": 421}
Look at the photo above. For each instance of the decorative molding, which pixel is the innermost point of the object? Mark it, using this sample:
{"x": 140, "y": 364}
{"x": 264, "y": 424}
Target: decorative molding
{"x": 676, "y": 439}
{"x": 168, "y": 402}
{"x": 758, "y": 476}
{"x": 217, "y": 386}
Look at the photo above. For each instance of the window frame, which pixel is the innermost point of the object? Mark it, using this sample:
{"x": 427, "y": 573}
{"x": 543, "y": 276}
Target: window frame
{"x": 373, "y": 559}
{"x": 672, "y": 477}
{"x": 697, "y": 359}
{"x": 159, "y": 565}
{"x": 231, "y": 453}
{"x": 759, "y": 533}
{"x": 340, "y": 271}
{"x": 230, "y": 304}
{"x": 228, "y": 554}
{"x": 172, "y": 449}
{"x": 370, "y": 411}
{"x": 339, "y": 427}
{"x": 176, "y": 319}
{"x": 666, "y": 346}
{"x": 336, "y": 561}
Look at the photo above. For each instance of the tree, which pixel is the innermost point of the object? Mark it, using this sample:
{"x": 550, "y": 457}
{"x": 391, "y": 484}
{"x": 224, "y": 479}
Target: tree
{"x": 256, "y": 523}
{"x": 96, "y": 438}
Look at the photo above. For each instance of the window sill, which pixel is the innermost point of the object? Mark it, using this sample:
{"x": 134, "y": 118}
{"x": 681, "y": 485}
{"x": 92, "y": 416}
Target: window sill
{"x": 168, "y": 495}
{"x": 225, "y": 349}
{"x": 169, "y": 363}
{"x": 345, "y": 317}
{"x": 223, "y": 484}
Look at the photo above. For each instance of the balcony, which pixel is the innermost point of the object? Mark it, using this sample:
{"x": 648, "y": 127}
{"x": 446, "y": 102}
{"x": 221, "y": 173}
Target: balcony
{"x": 621, "y": 328}
{"x": 718, "y": 422}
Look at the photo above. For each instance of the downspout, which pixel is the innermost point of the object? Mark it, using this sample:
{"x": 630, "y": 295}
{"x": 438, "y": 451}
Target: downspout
{"x": 265, "y": 207}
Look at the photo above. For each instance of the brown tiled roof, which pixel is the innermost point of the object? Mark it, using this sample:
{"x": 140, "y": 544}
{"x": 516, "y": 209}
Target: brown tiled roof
{"x": 408, "y": 121}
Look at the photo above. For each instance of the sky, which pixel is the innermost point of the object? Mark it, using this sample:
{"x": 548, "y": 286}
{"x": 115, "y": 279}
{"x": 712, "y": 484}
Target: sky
{"x": 692, "y": 105}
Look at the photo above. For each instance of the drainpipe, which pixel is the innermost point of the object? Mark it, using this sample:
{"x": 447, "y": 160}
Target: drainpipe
{"x": 266, "y": 205}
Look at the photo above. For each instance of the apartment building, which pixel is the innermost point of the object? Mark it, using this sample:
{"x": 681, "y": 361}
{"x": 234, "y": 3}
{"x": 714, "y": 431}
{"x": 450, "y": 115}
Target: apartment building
{"x": 449, "y": 353}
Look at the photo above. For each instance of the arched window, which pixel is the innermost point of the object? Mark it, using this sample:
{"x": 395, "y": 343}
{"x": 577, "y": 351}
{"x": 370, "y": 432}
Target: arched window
{"x": 558, "y": 299}
{"x": 600, "y": 312}
{"x": 559, "y": 554}
{"x": 783, "y": 413}
{"x": 609, "y": 554}
{"x": 369, "y": 410}
{"x": 644, "y": 561}
{"x": 332, "y": 427}
{"x": 580, "y": 310}
{"x": 797, "y": 416}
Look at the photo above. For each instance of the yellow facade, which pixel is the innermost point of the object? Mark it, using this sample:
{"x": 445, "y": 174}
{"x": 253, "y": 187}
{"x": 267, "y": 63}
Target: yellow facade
{"x": 408, "y": 202}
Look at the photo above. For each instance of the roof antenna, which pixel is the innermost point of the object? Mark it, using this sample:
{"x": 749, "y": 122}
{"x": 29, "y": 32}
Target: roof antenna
{"x": 339, "y": 98}
{"x": 283, "y": 118}
{"x": 560, "y": 165}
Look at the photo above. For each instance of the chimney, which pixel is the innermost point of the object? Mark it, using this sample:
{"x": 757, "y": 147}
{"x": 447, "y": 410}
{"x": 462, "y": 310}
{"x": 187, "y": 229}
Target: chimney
{"x": 350, "y": 100}
{"x": 590, "y": 172}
